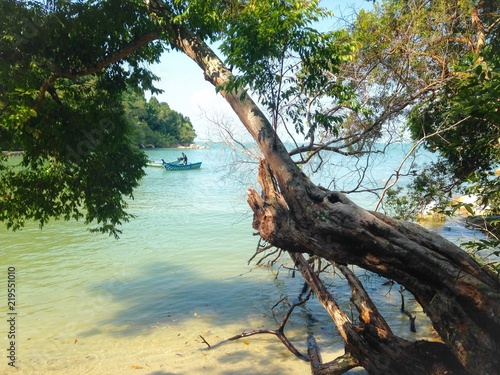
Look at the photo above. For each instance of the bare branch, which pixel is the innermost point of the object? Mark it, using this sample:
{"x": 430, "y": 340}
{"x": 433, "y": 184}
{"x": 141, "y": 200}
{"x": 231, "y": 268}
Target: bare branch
{"x": 390, "y": 181}
{"x": 279, "y": 332}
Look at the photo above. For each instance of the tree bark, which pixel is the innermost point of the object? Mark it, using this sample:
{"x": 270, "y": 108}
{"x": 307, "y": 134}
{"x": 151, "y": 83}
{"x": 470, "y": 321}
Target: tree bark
{"x": 460, "y": 296}
{"x": 373, "y": 344}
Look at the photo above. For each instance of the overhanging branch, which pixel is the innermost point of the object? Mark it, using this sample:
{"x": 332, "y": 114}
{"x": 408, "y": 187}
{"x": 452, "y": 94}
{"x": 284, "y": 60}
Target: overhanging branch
{"x": 99, "y": 65}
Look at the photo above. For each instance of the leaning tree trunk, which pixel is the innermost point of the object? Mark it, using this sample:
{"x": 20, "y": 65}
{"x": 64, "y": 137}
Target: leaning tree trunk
{"x": 461, "y": 297}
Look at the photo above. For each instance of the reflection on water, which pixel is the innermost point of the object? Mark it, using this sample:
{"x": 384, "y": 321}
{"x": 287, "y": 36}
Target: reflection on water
{"x": 89, "y": 304}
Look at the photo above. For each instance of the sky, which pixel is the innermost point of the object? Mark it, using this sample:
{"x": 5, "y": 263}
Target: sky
{"x": 187, "y": 92}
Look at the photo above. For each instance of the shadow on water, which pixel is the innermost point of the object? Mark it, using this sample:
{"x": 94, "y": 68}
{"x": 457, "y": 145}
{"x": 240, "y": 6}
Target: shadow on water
{"x": 172, "y": 294}
{"x": 165, "y": 294}
{"x": 238, "y": 302}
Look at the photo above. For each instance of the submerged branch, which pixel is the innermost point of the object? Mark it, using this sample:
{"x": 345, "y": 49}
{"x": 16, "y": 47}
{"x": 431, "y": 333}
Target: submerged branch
{"x": 279, "y": 332}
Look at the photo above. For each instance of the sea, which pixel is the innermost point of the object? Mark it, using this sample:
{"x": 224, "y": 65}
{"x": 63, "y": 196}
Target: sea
{"x": 179, "y": 281}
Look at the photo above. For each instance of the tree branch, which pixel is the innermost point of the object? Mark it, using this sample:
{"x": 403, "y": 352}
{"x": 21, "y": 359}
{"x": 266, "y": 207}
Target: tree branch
{"x": 279, "y": 332}
{"x": 367, "y": 310}
{"x": 125, "y": 51}
{"x": 117, "y": 56}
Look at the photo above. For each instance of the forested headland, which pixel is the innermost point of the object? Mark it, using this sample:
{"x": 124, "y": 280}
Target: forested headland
{"x": 154, "y": 123}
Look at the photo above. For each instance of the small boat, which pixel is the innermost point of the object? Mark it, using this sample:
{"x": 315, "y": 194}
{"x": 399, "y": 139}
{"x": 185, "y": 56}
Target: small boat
{"x": 179, "y": 166}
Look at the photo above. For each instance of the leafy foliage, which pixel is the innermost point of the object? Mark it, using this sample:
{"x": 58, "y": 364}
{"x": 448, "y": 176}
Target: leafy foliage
{"x": 66, "y": 114}
{"x": 291, "y": 66}
{"x": 466, "y": 123}
{"x": 433, "y": 64}
{"x": 459, "y": 118}
{"x": 468, "y": 111}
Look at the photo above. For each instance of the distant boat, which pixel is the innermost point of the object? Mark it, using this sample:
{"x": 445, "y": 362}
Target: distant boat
{"x": 179, "y": 166}
{"x": 159, "y": 163}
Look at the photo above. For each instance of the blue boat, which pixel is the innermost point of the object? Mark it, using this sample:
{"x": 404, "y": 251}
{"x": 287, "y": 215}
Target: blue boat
{"x": 179, "y": 166}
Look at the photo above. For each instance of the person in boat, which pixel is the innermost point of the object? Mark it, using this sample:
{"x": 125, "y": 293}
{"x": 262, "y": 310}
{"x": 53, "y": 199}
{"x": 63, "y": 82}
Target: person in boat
{"x": 183, "y": 158}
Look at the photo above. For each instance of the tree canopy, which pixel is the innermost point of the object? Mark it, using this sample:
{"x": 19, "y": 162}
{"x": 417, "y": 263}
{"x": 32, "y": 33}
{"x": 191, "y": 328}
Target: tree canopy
{"x": 342, "y": 90}
{"x": 63, "y": 69}
{"x": 430, "y": 64}
{"x": 440, "y": 78}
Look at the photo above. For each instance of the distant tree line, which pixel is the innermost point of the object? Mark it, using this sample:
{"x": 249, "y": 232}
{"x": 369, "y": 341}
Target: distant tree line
{"x": 152, "y": 124}
{"x": 155, "y": 124}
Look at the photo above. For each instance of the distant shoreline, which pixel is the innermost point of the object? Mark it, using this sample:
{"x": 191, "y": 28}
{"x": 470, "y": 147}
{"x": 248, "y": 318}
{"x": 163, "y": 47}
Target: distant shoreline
{"x": 191, "y": 146}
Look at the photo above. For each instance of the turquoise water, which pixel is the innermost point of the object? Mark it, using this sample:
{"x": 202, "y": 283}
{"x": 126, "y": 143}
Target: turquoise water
{"x": 90, "y": 304}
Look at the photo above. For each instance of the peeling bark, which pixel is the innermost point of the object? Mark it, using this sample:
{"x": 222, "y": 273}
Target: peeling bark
{"x": 372, "y": 344}
{"x": 460, "y": 296}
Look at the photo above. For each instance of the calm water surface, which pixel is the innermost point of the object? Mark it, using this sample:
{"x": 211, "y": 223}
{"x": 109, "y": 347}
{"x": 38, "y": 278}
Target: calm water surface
{"x": 89, "y": 304}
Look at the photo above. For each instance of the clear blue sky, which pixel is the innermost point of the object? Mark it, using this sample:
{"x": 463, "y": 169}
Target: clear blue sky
{"x": 187, "y": 92}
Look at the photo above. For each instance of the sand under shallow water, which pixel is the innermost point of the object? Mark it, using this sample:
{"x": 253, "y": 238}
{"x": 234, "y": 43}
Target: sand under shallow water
{"x": 88, "y": 304}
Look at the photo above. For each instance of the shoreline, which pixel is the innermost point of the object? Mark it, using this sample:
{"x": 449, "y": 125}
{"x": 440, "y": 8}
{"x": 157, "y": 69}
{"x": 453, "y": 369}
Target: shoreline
{"x": 192, "y": 146}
